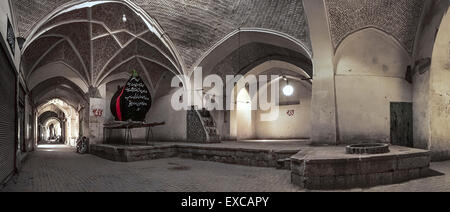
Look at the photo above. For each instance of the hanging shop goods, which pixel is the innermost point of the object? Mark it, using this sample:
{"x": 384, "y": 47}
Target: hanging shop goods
{"x": 131, "y": 102}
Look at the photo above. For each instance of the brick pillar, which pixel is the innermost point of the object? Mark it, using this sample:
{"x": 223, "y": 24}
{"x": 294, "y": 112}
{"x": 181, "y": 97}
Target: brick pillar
{"x": 439, "y": 100}
{"x": 323, "y": 91}
{"x": 96, "y": 114}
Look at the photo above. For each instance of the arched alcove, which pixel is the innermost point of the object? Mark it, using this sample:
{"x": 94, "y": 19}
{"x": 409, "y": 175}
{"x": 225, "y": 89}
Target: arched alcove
{"x": 240, "y": 53}
{"x": 53, "y": 131}
{"x": 65, "y": 114}
{"x": 290, "y": 119}
{"x": 371, "y": 68}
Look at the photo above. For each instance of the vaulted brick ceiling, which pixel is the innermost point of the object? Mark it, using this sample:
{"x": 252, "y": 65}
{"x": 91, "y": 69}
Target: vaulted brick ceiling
{"x": 194, "y": 26}
{"x": 399, "y": 18}
{"x": 96, "y": 44}
{"x": 46, "y": 116}
{"x": 58, "y": 87}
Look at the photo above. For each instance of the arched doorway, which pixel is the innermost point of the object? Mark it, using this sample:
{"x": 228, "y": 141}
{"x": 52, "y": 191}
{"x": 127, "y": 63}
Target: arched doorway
{"x": 289, "y": 117}
{"x": 439, "y": 79}
{"x": 52, "y": 132}
{"x": 57, "y": 122}
{"x": 48, "y": 123}
{"x": 253, "y": 52}
{"x": 371, "y": 88}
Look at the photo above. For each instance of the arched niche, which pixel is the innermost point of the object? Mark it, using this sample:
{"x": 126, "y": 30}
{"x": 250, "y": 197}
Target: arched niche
{"x": 371, "y": 68}
{"x": 288, "y": 120}
{"x": 241, "y": 52}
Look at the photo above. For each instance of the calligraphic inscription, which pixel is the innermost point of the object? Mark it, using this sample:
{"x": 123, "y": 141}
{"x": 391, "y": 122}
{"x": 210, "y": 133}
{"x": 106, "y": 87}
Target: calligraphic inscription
{"x": 131, "y": 102}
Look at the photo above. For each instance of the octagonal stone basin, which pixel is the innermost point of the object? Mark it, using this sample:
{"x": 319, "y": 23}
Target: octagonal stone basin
{"x": 367, "y": 149}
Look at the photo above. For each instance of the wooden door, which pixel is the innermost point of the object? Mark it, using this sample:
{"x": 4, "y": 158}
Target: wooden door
{"x": 402, "y": 124}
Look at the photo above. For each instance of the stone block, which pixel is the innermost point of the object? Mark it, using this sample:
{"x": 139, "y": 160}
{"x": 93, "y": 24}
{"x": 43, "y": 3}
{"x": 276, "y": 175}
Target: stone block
{"x": 413, "y": 163}
{"x": 400, "y": 176}
{"x": 320, "y": 183}
{"x": 378, "y": 166}
{"x": 380, "y": 178}
{"x": 297, "y": 167}
{"x": 414, "y": 174}
{"x": 298, "y": 180}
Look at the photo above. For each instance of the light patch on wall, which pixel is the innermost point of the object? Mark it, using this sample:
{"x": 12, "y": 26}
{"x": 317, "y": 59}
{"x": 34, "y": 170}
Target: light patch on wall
{"x": 244, "y": 116}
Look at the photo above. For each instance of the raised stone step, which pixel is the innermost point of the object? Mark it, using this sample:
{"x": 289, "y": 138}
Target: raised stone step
{"x": 327, "y": 168}
{"x": 262, "y": 157}
{"x": 284, "y": 164}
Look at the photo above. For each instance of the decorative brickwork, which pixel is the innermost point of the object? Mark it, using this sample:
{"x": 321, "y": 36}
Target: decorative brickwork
{"x": 195, "y": 25}
{"x": 248, "y": 56}
{"x": 29, "y": 12}
{"x": 399, "y": 18}
{"x": 113, "y": 44}
{"x": 195, "y": 130}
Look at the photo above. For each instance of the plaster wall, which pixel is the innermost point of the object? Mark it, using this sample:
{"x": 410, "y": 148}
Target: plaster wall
{"x": 248, "y": 124}
{"x": 370, "y": 73}
{"x": 296, "y": 126}
{"x": 323, "y": 119}
{"x": 96, "y": 122}
{"x": 421, "y": 111}
{"x": 434, "y": 11}
{"x": 285, "y": 126}
{"x": 227, "y": 120}
{"x": 162, "y": 111}
{"x": 245, "y": 117}
{"x": 440, "y": 93}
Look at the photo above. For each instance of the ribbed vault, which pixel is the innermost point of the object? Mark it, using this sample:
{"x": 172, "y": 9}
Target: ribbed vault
{"x": 98, "y": 46}
{"x": 48, "y": 115}
{"x": 194, "y": 26}
{"x": 58, "y": 87}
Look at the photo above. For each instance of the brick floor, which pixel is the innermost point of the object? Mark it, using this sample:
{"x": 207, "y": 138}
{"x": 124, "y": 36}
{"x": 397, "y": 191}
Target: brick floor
{"x": 60, "y": 169}
{"x": 63, "y": 170}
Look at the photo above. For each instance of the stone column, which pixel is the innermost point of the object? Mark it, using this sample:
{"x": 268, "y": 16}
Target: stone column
{"x": 323, "y": 104}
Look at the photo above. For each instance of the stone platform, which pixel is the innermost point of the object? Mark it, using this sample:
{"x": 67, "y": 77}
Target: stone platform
{"x": 329, "y": 168}
{"x": 314, "y": 168}
{"x": 259, "y": 154}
